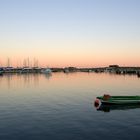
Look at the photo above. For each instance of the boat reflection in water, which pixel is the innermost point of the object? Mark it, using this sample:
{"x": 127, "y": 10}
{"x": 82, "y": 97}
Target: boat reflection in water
{"x": 48, "y": 76}
{"x": 108, "y": 108}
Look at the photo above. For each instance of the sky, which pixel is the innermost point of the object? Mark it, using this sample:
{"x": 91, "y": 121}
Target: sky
{"x": 61, "y": 33}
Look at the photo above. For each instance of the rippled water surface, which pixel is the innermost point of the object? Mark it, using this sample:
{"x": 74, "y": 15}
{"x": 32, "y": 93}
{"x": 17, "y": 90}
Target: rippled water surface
{"x": 61, "y": 107}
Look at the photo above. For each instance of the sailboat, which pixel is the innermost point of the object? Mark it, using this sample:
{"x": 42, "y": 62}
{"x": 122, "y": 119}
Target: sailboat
{"x": 47, "y": 71}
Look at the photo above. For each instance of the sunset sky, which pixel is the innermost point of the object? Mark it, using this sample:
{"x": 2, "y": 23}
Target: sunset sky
{"x": 81, "y": 33}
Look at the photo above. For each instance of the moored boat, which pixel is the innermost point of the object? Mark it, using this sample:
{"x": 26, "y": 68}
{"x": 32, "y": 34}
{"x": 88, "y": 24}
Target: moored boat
{"x": 47, "y": 71}
{"x": 1, "y": 71}
{"x": 119, "y": 100}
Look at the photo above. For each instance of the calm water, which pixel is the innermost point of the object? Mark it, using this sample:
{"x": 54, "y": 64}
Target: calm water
{"x": 61, "y": 107}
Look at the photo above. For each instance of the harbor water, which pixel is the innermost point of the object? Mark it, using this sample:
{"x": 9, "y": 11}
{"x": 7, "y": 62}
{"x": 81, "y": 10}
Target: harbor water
{"x": 61, "y": 107}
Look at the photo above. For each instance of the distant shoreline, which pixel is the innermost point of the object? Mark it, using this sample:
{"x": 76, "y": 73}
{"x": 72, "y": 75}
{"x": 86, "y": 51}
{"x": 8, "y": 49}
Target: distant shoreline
{"x": 110, "y": 69}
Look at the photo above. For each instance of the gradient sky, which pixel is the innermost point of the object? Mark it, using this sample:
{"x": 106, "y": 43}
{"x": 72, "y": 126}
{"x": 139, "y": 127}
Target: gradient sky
{"x": 59, "y": 33}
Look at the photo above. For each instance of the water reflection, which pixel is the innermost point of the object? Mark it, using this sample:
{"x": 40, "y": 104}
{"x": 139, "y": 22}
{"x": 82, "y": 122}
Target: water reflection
{"x": 17, "y": 80}
{"x": 108, "y": 108}
{"x": 48, "y": 76}
{"x": 61, "y": 106}
{"x": 1, "y": 74}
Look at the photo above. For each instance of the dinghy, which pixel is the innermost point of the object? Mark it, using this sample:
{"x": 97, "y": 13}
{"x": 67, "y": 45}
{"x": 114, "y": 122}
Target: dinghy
{"x": 118, "y": 100}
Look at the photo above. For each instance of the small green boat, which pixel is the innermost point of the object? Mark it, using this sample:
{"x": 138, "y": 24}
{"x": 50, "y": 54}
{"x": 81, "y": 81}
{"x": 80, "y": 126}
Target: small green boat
{"x": 119, "y": 100}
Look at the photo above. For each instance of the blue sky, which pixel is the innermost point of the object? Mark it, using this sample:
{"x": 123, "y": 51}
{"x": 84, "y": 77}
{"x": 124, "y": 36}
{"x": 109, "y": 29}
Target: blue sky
{"x": 74, "y": 21}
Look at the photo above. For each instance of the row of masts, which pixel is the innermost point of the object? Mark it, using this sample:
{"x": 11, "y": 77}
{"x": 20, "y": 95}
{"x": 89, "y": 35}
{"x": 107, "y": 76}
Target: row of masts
{"x": 25, "y": 63}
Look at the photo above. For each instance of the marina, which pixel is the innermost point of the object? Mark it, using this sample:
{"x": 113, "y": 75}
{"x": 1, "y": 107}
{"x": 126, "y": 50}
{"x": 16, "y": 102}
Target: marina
{"x": 112, "y": 69}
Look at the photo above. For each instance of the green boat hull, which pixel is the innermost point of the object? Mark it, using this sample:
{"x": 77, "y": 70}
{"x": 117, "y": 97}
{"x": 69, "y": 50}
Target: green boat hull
{"x": 120, "y": 100}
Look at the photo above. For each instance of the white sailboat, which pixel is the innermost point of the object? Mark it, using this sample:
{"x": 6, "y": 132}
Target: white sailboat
{"x": 47, "y": 71}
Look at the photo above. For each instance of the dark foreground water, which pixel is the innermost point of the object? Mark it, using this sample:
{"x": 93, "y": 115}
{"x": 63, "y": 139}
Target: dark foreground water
{"x": 61, "y": 107}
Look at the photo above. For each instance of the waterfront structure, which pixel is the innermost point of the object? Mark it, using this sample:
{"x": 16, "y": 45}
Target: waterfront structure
{"x": 115, "y": 69}
{"x": 70, "y": 69}
{"x": 66, "y": 70}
